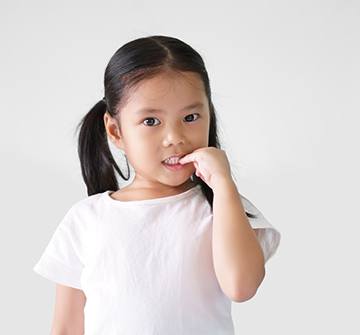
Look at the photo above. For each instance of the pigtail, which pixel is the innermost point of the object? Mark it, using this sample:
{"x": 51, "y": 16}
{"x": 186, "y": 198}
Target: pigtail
{"x": 213, "y": 141}
{"x": 96, "y": 160}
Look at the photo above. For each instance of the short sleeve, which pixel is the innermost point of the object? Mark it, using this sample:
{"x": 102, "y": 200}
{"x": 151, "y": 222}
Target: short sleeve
{"x": 61, "y": 261}
{"x": 267, "y": 235}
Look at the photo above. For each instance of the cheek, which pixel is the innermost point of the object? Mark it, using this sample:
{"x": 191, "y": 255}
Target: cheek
{"x": 144, "y": 148}
{"x": 200, "y": 136}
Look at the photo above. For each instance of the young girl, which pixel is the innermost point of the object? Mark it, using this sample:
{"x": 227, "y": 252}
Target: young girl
{"x": 168, "y": 253}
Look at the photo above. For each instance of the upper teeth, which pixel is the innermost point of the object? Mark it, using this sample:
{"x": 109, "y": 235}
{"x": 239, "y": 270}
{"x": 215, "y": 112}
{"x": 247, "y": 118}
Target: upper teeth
{"x": 172, "y": 160}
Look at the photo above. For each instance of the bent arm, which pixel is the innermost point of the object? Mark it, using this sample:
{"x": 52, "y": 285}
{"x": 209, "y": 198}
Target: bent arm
{"x": 238, "y": 257}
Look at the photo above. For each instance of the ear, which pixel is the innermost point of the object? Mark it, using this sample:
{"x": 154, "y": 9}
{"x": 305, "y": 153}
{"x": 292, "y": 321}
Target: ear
{"x": 113, "y": 131}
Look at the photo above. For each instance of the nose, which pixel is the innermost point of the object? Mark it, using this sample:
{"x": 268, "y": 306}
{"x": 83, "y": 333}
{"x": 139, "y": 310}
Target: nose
{"x": 173, "y": 136}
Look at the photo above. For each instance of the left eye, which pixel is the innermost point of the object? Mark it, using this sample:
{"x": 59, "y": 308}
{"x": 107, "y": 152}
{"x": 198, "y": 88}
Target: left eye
{"x": 193, "y": 114}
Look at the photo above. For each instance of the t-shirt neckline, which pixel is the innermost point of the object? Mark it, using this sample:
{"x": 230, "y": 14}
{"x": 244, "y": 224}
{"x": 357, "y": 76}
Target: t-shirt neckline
{"x": 153, "y": 201}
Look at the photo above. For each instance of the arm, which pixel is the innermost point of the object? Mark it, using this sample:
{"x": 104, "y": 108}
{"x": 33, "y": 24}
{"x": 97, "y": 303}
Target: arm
{"x": 238, "y": 257}
{"x": 69, "y": 311}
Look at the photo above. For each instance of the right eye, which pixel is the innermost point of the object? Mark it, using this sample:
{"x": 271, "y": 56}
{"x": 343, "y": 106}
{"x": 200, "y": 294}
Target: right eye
{"x": 149, "y": 118}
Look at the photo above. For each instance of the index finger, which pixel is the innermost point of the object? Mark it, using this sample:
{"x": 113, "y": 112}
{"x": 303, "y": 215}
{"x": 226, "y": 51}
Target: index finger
{"x": 187, "y": 158}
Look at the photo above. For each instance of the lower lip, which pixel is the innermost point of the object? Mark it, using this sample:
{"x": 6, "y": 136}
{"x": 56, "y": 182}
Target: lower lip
{"x": 174, "y": 167}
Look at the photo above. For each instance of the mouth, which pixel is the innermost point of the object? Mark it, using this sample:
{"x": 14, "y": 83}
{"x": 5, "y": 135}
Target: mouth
{"x": 172, "y": 162}
{"x": 173, "y": 159}
{"x": 174, "y": 167}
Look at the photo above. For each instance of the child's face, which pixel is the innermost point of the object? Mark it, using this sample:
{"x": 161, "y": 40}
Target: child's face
{"x": 148, "y": 138}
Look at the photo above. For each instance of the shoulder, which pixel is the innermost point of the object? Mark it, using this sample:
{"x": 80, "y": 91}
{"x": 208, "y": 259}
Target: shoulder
{"x": 249, "y": 206}
{"x": 84, "y": 210}
{"x": 88, "y": 203}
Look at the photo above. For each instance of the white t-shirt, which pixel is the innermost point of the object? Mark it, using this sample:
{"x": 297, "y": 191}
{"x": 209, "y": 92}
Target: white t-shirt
{"x": 145, "y": 266}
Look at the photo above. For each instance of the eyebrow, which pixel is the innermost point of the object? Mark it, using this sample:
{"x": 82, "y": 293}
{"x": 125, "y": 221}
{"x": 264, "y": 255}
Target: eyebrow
{"x": 156, "y": 110}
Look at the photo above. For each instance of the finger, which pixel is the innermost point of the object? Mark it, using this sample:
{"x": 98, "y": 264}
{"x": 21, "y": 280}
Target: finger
{"x": 186, "y": 159}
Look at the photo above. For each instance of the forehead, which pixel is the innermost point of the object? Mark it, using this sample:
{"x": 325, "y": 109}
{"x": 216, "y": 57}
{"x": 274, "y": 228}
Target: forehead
{"x": 167, "y": 90}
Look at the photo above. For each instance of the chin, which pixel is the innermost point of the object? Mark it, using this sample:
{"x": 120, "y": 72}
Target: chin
{"x": 177, "y": 181}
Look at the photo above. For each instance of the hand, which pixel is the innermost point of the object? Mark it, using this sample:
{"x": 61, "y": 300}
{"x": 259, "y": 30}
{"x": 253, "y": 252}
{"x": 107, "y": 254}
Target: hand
{"x": 211, "y": 164}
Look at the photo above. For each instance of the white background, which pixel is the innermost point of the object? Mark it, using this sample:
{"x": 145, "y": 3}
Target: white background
{"x": 285, "y": 83}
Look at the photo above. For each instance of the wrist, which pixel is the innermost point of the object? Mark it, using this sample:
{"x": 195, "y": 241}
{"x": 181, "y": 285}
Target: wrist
{"x": 222, "y": 182}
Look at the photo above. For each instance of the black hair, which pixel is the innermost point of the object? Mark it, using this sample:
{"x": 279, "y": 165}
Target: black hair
{"x": 136, "y": 60}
